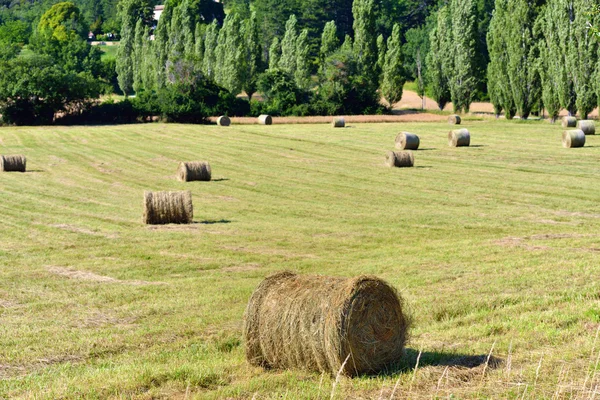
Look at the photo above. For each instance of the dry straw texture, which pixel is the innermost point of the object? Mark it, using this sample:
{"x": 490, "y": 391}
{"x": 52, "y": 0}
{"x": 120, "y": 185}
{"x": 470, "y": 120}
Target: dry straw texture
{"x": 407, "y": 141}
{"x": 573, "y": 138}
{"x": 223, "y": 120}
{"x": 265, "y": 119}
{"x": 338, "y": 122}
{"x": 13, "y": 163}
{"x": 194, "y": 171}
{"x": 399, "y": 159}
{"x": 454, "y": 120}
{"x": 459, "y": 138}
{"x": 569, "y": 122}
{"x": 168, "y": 208}
{"x": 587, "y": 126}
{"x": 316, "y": 322}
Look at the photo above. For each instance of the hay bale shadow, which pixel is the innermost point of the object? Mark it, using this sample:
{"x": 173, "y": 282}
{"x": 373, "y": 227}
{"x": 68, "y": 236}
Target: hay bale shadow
{"x": 220, "y": 179}
{"x": 212, "y": 222}
{"x": 443, "y": 359}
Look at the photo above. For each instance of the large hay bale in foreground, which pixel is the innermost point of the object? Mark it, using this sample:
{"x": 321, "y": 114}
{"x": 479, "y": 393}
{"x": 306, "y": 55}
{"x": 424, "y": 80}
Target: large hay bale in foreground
{"x": 168, "y": 208}
{"x": 569, "y": 122}
{"x": 223, "y": 120}
{"x": 265, "y": 119}
{"x": 573, "y": 138}
{"x": 454, "y": 119}
{"x": 459, "y": 138}
{"x": 399, "y": 159}
{"x": 315, "y": 322}
{"x": 338, "y": 122}
{"x": 15, "y": 163}
{"x": 587, "y": 126}
{"x": 194, "y": 171}
{"x": 407, "y": 141}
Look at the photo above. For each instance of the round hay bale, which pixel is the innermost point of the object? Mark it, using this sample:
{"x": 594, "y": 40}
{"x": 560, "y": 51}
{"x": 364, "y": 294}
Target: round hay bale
{"x": 459, "y": 138}
{"x": 265, "y": 119}
{"x": 224, "y": 120}
{"x": 587, "y": 126}
{"x": 569, "y": 122}
{"x": 407, "y": 141}
{"x": 454, "y": 119}
{"x": 194, "y": 171}
{"x": 168, "y": 208}
{"x": 316, "y": 322}
{"x": 399, "y": 159}
{"x": 16, "y": 163}
{"x": 573, "y": 138}
{"x": 338, "y": 122}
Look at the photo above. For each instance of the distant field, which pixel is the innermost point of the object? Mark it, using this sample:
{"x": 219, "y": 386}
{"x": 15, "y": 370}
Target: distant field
{"x": 109, "y": 51}
{"x": 494, "y": 248}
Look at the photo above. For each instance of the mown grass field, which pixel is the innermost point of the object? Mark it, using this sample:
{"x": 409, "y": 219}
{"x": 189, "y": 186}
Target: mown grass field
{"x": 493, "y": 247}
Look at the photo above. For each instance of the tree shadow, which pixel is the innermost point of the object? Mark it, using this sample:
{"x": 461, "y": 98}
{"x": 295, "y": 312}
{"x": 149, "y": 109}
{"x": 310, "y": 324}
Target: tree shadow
{"x": 441, "y": 359}
{"x": 213, "y": 221}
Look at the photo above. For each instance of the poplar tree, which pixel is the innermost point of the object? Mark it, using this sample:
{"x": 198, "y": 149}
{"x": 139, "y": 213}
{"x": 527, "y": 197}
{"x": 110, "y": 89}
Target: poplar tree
{"x": 521, "y": 51}
{"x": 497, "y": 74}
{"x": 210, "y": 44}
{"x": 288, "y": 60}
{"x": 393, "y": 71}
{"x": 161, "y": 45}
{"x": 124, "y": 60}
{"x": 583, "y": 55}
{"x": 176, "y": 41}
{"x": 274, "y": 53}
{"x": 199, "y": 43}
{"x": 230, "y": 55}
{"x": 462, "y": 73}
{"x": 253, "y": 57}
{"x": 148, "y": 75}
{"x": 348, "y": 45}
{"x": 550, "y": 99}
{"x": 302, "y": 72}
{"x": 439, "y": 59}
{"x": 138, "y": 56}
{"x": 381, "y": 51}
{"x": 365, "y": 42}
{"x": 329, "y": 40}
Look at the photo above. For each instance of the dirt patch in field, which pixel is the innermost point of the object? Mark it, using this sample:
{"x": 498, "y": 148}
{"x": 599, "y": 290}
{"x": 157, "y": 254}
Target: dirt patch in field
{"x": 85, "y": 231}
{"x": 105, "y": 168}
{"x": 90, "y": 276}
{"x": 7, "y": 304}
{"x": 525, "y": 242}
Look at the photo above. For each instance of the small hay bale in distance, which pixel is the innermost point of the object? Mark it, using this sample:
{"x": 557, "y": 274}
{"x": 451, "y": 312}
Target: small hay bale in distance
{"x": 569, "y": 122}
{"x": 454, "y": 119}
{"x": 399, "y": 159}
{"x": 168, "y": 208}
{"x": 407, "y": 141}
{"x": 223, "y": 120}
{"x": 265, "y": 119}
{"x": 194, "y": 171}
{"x": 16, "y": 163}
{"x": 587, "y": 126}
{"x": 315, "y": 323}
{"x": 338, "y": 122}
{"x": 459, "y": 138}
{"x": 573, "y": 138}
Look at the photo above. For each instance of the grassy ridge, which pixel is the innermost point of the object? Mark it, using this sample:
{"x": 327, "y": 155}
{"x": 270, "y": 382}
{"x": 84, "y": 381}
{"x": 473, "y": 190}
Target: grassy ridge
{"x": 492, "y": 245}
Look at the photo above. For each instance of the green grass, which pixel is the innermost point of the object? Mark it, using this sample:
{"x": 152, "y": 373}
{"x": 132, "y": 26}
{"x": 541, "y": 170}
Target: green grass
{"x": 495, "y": 245}
{"x": 108, "y": 51}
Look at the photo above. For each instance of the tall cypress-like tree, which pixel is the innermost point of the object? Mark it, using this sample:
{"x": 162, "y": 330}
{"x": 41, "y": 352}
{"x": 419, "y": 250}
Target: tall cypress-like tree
{"x": 288, "y": 46}
{"x": 210, "y": 45}
{"x": 381, "y": 51}
{"x": 138, "y": 56}
{"x": 365, "y": 40}
{"x": 199, "y": 42}
{"x": 415, "y": 52}
{"x": 550, "y": 99}
{"x": 393, "y": 71}
{"x": 348, "y": 45}
{"x": 439, "y": 59}
{"x": 521, "y": 50}
{"x": 274, "y": 53}
{"x": 462, "y": 80}
{"x": 253, "y": 61}
{"x": 230, "y": 55}
{"x": 148, "y": 75}
{"x": 302, "y": 72}
{"x": 558, "y": 41}
{"x": 161, "y": 44}
{"x": 329, "y": 40}
{"x": 125, "y": 54}
{"x": 583, "y": 55}
{"x": 497, "y": 72}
